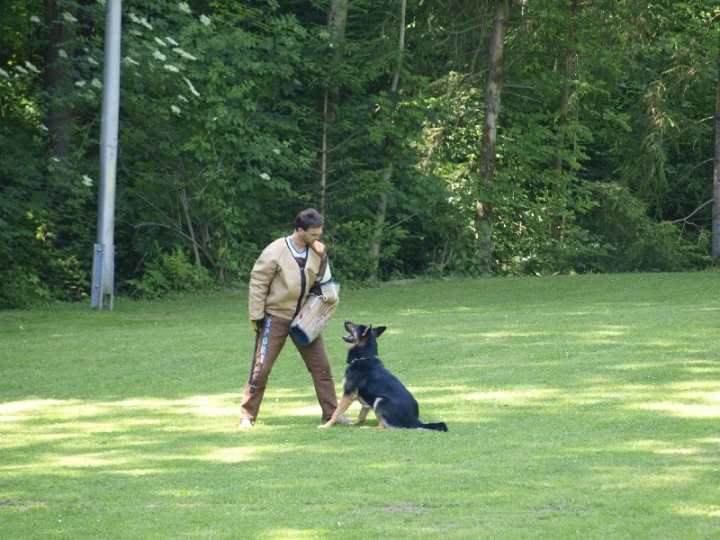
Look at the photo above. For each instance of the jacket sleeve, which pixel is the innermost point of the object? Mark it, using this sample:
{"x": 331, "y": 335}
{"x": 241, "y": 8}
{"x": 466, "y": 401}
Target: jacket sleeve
{"x": 323, "y": 275}
{"x": 326, "y": 275}
{"x": 260, "y": 278}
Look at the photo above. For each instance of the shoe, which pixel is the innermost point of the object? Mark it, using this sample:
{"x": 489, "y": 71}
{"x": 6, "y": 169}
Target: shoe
{"x": 244, "y": 423}
{"x": 344, "y": 420}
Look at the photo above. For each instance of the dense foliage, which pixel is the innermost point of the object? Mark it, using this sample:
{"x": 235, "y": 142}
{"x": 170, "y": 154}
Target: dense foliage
{"x": 236, "y": 115}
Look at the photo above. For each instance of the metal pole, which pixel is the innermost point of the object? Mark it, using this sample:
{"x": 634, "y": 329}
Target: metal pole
{"x": 104, "y": 254}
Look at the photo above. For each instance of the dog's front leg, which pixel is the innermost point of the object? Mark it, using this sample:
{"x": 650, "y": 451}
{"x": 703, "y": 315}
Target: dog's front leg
{"x": 345, "y": 402}
{"x": 363, "y": 414}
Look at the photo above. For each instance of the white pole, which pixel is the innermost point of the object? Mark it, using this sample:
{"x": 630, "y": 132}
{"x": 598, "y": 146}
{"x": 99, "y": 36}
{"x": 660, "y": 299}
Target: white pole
{"x": 104, "y": 259}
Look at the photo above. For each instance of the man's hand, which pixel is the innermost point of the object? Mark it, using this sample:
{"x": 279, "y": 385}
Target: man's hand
{"x": 257, "y": 324}
{"x": 318, "y": 247}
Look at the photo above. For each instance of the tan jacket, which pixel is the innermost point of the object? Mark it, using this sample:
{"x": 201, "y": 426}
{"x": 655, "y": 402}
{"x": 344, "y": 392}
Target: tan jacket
{"x": 277, "y": 284}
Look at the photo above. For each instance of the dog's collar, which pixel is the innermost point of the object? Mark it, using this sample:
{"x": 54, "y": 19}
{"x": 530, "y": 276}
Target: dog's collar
{"x": 359, "y": 358}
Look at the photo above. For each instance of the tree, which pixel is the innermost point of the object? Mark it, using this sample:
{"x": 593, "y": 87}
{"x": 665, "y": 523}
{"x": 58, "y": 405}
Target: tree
{"x": 386, "y": 175}
{"x": 60, "y": 20}
{"x": 715, "y": 250}
{"x": 236, "y": 115}
{"x": 493, "y": 91}
{"x": 337, "y": 19}
{"x": 225, "y": 141}
{"x": 570, "y": 64}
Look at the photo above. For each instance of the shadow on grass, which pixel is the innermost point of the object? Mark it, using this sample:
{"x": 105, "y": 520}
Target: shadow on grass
{"x": 596, "y": 419}
{"x": 537, "y": 456}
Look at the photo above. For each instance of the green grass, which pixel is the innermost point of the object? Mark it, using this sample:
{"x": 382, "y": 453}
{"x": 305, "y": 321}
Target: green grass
{"x": 578, "y": 407}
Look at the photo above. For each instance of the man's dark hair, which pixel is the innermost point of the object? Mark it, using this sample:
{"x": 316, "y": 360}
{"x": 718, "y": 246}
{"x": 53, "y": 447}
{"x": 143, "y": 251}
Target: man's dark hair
{"x": 309, "y": 218}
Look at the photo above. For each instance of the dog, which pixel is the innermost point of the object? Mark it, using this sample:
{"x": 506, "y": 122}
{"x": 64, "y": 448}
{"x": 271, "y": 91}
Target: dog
{"x": 367, "y": 379}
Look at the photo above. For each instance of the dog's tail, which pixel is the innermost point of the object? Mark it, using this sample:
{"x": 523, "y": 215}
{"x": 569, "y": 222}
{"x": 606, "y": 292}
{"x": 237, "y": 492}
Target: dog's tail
{"x": 437, "y": 426}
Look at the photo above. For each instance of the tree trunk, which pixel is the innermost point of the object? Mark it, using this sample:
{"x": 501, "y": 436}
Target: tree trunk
{"x": 337, "y": 21}
{"x": 558, "y": 221}
{"x": 324, "y": 152}
{"x": 716, "y": 177}
{"x": 386, "y": 177}
{"x": 570, "y": 62}
{"x": 379, "y": 226}
{"x": 182, "y": 194}
{"x": 483, "y": 217}
{"x": 56, "y": 83}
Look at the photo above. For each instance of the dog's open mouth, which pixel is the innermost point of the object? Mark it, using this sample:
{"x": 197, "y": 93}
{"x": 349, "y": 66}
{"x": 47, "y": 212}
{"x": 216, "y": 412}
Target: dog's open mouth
{"x": 353, "y": 333}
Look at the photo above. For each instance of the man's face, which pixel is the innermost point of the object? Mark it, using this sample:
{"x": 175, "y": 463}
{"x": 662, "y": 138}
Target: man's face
{"x": 311, "y": 234}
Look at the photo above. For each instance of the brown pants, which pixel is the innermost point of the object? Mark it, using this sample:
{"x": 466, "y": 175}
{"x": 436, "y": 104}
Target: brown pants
{"x": 269, "y": 342}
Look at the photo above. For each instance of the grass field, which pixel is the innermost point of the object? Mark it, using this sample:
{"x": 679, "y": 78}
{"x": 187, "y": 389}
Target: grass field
{"x": 578, "y": 407}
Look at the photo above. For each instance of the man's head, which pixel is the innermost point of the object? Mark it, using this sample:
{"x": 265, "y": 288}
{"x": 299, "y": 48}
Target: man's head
{"x": 309, "y": 225}
{"x": 309, "y": 218}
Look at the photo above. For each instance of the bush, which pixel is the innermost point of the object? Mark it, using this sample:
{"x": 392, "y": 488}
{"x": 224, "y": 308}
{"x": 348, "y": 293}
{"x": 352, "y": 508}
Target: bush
{"x": 172, "y": 273}
{"x": 20, "y": 289}
{"x": 636, "y": 242}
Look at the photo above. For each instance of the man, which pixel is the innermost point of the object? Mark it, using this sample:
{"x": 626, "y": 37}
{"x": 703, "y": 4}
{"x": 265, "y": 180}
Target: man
{"x": 280, "y": 282}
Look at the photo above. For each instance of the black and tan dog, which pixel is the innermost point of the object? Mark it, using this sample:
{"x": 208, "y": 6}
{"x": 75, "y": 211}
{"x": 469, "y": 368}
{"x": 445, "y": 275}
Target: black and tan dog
{"x": 367, "y": 379}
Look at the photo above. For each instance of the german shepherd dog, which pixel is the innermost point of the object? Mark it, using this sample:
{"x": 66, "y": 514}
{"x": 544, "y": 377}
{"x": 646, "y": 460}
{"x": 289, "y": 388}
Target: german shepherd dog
{"x": 367, "y": 379}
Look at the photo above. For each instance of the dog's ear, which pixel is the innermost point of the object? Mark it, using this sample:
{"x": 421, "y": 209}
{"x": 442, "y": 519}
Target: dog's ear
{"x": 350, "y": 327}
{"x": 364, "y": 332}
{"x": 379, "y": 330}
